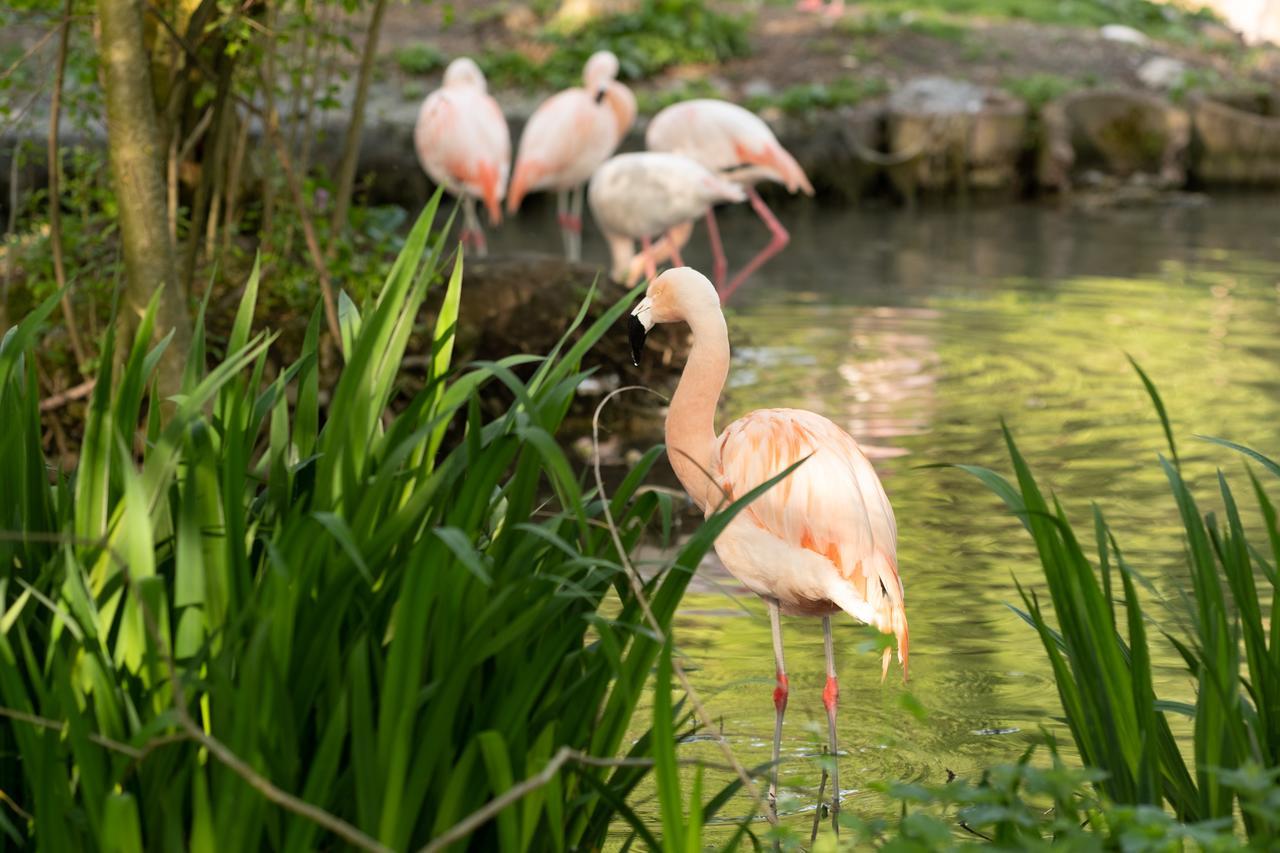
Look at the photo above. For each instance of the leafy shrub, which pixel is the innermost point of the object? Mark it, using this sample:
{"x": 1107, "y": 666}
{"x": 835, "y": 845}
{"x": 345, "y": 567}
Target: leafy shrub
{"x": 262, "y": 624}
{"x": 419, "y": 59}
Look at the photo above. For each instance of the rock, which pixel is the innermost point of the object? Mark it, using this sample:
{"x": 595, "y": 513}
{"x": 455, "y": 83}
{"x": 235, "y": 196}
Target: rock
{"x": 937, "y": 96}
{"x": 757, "y": 88}
{"x": 1123, "y": 134}
{"x": 1124, "y": 35}
{"x": 1236, "y": 139}
{"x": 948, "y": 134}
{"x": 1162, "y": 72}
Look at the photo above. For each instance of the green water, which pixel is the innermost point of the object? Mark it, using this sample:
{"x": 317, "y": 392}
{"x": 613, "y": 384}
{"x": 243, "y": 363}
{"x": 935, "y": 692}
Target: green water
{"x": 917, "y": 333}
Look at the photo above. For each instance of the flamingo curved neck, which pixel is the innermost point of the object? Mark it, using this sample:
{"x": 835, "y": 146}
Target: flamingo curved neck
{"x": 691, "y": 428}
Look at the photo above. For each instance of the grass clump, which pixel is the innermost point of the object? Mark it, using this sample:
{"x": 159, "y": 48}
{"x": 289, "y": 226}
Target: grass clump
{"x": 248, "y": 621}
{"x": 1226, "y": 631}
{"x": 842, "y": 92}
{"x": 419, "y": 59}
{"x": 1040, "y": 88}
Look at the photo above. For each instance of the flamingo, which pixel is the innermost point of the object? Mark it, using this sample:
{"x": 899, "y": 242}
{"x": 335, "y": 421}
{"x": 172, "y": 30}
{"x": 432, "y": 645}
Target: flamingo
{"x": 567, "y": 138}
{"x": 643, "y": 194}
{"x": 464, "y": 145}
{"x": 832, "y": 9}
{"x": 820, "y": 541}
{"x": 737, "y": 144}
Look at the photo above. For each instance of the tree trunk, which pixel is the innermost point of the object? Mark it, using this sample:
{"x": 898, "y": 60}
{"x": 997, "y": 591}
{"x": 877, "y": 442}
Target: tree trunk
{"x": 137, "y": 167}
{"x": 355, "y": 126}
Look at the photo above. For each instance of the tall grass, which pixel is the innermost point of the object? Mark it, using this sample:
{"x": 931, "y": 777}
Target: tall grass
{"x": 1228, "y": 641}
{"x": 249, "y": 621}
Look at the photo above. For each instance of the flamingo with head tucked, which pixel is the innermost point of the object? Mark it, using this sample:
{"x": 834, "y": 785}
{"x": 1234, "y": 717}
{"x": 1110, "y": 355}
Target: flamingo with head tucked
{"x": 820, "y": 541}
{"x": 464, "y": 145}
{"x": 642, "y": 195}
{"x": 737, "y": 144}
{"x": 567, "y": 138}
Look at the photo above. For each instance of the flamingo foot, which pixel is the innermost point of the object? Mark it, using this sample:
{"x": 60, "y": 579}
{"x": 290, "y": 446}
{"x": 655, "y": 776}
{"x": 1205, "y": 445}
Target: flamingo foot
{"x": 834, "y": 9}
{"x": 809, "y": 5}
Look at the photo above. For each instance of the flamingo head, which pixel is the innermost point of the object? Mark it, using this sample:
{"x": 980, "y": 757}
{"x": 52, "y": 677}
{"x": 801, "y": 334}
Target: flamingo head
{"x": 601, "y": 70}
{"x": 675, "y": 296}
{"x": 463, "y": 72}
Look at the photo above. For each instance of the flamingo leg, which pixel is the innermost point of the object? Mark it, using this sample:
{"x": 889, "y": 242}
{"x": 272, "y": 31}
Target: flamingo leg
{"x": 562, "y": 219}
{"x": 776, "y": 244}
{"x": 675, "y": 248}
{"x": 471, "y": 227}
{"x": 779, "y": 703}
{"x": 650, "y": 268}
{"x": 831, "y": 699}
{"x": 575, "y": 223}
{"x": 719, "y": 263}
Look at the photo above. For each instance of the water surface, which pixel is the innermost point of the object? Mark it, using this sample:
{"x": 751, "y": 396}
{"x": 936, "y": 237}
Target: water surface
{"x": 917, "y": 331}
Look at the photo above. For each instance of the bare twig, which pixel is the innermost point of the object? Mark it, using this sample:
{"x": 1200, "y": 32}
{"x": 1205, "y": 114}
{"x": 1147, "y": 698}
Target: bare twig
{"x": 355, "y": 124}
{"x": 84, "y": 389}
{"x": 637, "y": 588}
{"x": 55, "y": 196}
{"x": 35, "y": 47}
{"x": 57, "y": 726}
{"x": 565, "y": 755}
{"x": 817, "y": 814}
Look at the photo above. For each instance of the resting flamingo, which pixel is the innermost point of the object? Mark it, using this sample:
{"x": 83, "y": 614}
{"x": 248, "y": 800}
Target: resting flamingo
{"x": 737, "y": 144}
{"x": 567, "y": 138}
{"x": 645, "y": 194}
{"x": 820, "y": 541}
{"x": 464, "y": 144}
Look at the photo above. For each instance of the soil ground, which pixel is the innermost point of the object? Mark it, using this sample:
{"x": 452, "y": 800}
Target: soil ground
{"x": 790, "y": 48}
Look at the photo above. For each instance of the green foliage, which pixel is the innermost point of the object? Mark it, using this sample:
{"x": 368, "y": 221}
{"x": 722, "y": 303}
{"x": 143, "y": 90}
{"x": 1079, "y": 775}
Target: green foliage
{"x": 845, "y": 91}
{"x": 394, "y": 618}
{"x": 1228, "y": 637}
{"x": 658, "y": 35}
{"x": 419, "y": 59}
{"x": 1153, "y": 18}
{"x": 1023, "y": 806}
{"x": 1039, "y": 89}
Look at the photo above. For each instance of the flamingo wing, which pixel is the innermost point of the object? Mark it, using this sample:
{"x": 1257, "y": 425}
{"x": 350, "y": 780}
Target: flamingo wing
{"x": 568, "y": 136}
{"x": 725, "y": 137}
{"x": 832, "y": 505}
{"x": 463, "y": 142}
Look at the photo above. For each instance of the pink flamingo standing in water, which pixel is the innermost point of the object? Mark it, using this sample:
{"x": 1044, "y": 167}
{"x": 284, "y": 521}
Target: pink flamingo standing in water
{"x": 646, "y": 194}
{"x": 737, "y": 144}
{"x": 464, "y": 145}
{"x": 567, "y": 138}
{"x": 820, "y": 541}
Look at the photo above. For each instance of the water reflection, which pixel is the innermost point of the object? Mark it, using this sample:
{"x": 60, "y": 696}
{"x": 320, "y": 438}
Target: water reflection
{"x": 918, "y": 332}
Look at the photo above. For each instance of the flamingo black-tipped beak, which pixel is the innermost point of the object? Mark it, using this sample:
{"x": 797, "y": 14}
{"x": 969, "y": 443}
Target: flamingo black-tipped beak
{"x": 636, "y": 333}
{"x": 638, "y": 326}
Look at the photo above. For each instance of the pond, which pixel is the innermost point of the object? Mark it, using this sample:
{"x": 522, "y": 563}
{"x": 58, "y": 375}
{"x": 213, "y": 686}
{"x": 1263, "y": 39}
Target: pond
{"x": 917, "y": 331}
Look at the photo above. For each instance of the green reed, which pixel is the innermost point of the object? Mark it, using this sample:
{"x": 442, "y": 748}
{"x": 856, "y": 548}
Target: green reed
{"x": 252, "y": 621}
{"x": 1228, "y": 641}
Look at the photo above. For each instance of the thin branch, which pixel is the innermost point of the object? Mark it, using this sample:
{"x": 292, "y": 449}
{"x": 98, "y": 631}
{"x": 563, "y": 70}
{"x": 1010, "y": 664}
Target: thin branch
{"x": 637, "y": 588}
{"x": 55, "y": 195}
{"x": 31, "y": 50}
{"x": 355, "y": 125}
{"x": 57, "y": 726}
{"x": 270, "y": 117}
{"x": 565, "y": 755}
{"x": 57, "y": 401}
